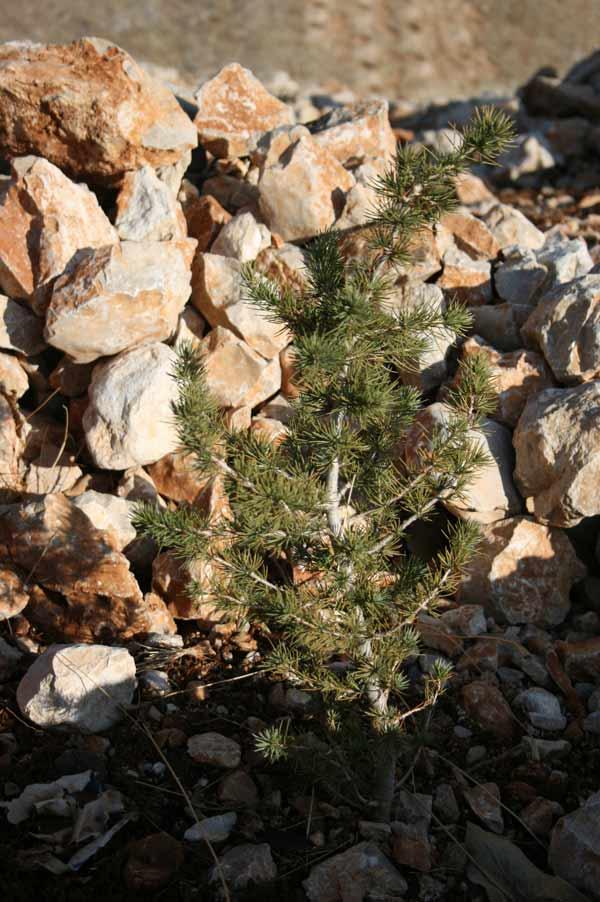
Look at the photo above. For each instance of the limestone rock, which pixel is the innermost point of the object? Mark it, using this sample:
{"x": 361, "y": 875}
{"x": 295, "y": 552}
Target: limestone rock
{"x": 517, "y": 375}
{"x": 509, "y": 226}
{"x": 205, "y": 218}
{"x": 81, "y": 563}
{"x": 147, "y": 210}
{"x": 236, "y": 374}
{"x": 108, "y": 513}
{"x": 574, "y": 851}
{"x": 175, "y": 478}
{"x": 522, "y": 573}
{"x": 78, "y": 687}
{"x": 500, "y": 324}
{"x": 234, "y": 110}
{"x": 355, "y": 873}
{"x": 214, "y": 749}
{"x": 557, "y": 444}
{"x": 356, "y": 133}
{"x": 44, "y": 219}
{"x": 491, "y": 495}
{"x": 113, "y": 117}
{"x": 115, "y": 298}
{"x": 467, "y": 279}
{"x": 566, "y": 327}
{"x": 471, "y": 235}
{"x": 51, "y": 471}
{"x": 303, "y": 193}
{"x": 20, "y": 329}
{"x": 218, "y": 293}
{"x": 241, "y": 238}
{"x": 520, "y": 277}
{"x": 13, "y": 378}
{"x": 127, "y": 422}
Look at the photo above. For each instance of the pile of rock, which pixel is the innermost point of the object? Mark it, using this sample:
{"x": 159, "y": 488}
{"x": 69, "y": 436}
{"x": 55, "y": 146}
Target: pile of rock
{"x": 123, "y": 229}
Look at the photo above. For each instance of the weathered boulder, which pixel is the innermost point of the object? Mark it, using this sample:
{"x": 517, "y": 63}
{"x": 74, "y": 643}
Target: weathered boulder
{"x": 242, "y": 238}
{"x": 356, "y": 133}
{"x": 44, "y": 220}
{"x": 236, "y": 374}
{"x": 114, "y": 298}
{"x": 565, "y": 325}
{"x": 557, "y": 445}
{"x": 80, "y": 563}
{"x": 127, "y": 421}
{"x": 82, "y": 687}
{"x": 108, "y": 513}
{"x": 303, "y": 193}
{"x": 500, "y": 324}
{"x": 509, "y": 226}
{"x": 471, "y": 235}
{"x": 88, "y": 108}
{"x": 147, "y": 210}
{"x": 234, "y": 110}
{"x": 218, "y": 293}
{"x": 522, "y": 573}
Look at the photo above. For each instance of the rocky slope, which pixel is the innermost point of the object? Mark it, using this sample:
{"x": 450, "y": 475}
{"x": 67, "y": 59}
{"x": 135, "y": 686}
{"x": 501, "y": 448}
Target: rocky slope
{"x": 125, "y": 217}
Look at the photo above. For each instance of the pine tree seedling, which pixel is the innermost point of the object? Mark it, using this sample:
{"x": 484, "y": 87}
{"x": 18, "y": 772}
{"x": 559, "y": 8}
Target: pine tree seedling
{"x": 314, "y": 545}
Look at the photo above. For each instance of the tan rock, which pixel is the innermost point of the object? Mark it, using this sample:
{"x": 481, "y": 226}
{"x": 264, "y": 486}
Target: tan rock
{"x": 356, "y": 133}
{"x": 80, "y": 563}
{"x": 517, "y": 376}
{"x": 205, "y": 218}
{"x": 522, "y": 573}
{"x": 242, "y": 238}
{"x": 466, "y": 279}
{"x": 219, "y": 294}
{"x": 565, "y": 325}
{"x": 13, "y": 378}
{"x": 237, "y": 375}
{"x": 471, "y": 235}
{"x": 272, "y": 144}
{"x": 283, "y": 265}
{"x": 14, "y": 597}
{"x": 147, "y": 210}
{"x": 304, "y": 192}
{"x": 108, "y": 513}
{"x": 557, "y": 444}
{"x": 12, "y": 446}
{"x": 128, "y": 421}
{"x": 44, "y": 219}
{"x": 486, "y": 705}
{"x": 289, "y": 376}
{"x": 175, "y": 478}
{"x": 491, "y": 495}
{"x": 234, "y": 110}
{"x": 509, "y": 226}
{"x": 113, "y": 117}
{"x": 472, "y": 190}
{"x": 238, "y": 419}
{"x": 52, "y": 471}
{"x": 117, "y": 297}
{"x": 20, "y": 329}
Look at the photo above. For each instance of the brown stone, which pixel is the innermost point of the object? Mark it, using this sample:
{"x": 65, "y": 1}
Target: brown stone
{"x": 205, "y": 218}
{"x": 486, "y": 705}
{"x": 269, "y": 430}
{"x": 582, "y": 658}
{"x": 57, "y": 543}
{"x": 484, "y": 801}
{"x": 234, "y": 110}
{"x": 283, "y": 265}
{"x": 304, "y": 192}
{"x": 88, "y": 108}
{"x": 175, "y": 478}
{"x": 14, "y": 596}
{"x": 13, "y": 378}
{"x": 44, "y": 219}
{"x": 12, "y": 445}
{"x": 467, "y": 279}
{"x": 471, "y": 235}
{"x": 522, "y": 573}
{"x": 171, "y": 582}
